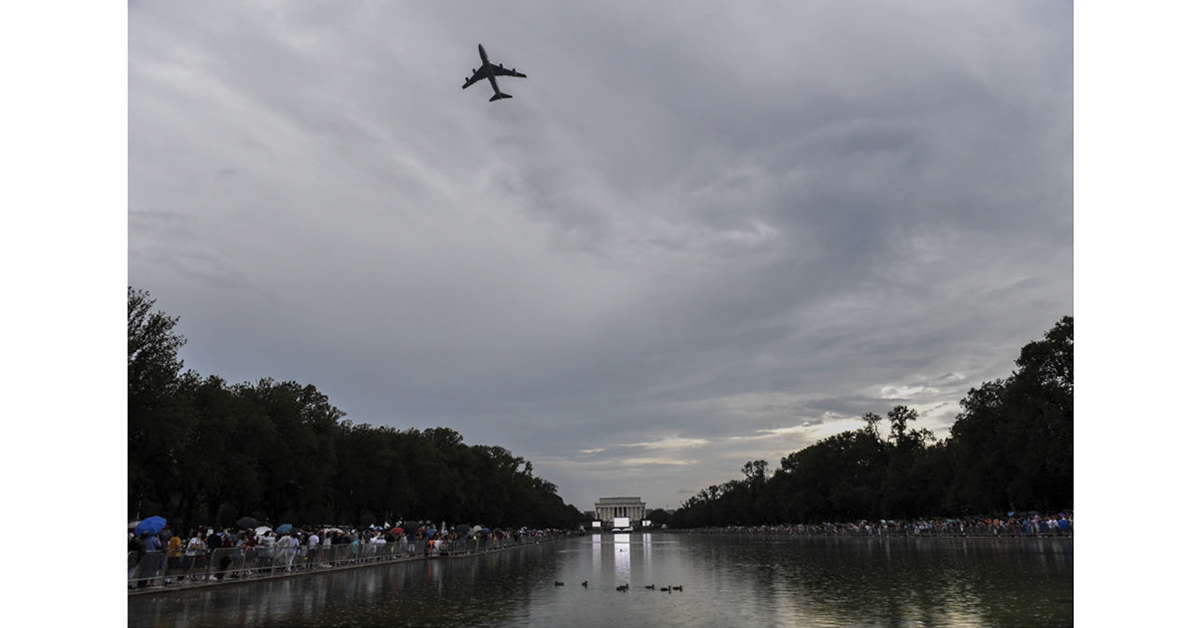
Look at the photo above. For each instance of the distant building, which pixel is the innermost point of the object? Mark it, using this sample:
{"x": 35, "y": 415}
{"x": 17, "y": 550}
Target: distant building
{"x": 609, "y": 508}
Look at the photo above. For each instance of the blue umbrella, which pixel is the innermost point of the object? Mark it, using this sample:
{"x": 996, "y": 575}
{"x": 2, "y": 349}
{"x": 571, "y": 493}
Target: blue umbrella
{"x": 283, "y": 529}
{"x": 153, "y": 525}
{"x": 430, "y": 532}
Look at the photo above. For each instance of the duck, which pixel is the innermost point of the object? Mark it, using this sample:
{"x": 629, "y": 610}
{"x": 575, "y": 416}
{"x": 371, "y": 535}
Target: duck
{"x": 667, "y": 589}
{"x": 584, "y": 583}
{"x": 623, "y": 587}
{"x": 650, "y": 586}
{"x": 557, "y": 583}
{"x": 678, "y": 588}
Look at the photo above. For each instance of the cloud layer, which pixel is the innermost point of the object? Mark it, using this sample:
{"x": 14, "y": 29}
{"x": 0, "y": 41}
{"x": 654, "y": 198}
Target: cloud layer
{"x": 692, "y": 238}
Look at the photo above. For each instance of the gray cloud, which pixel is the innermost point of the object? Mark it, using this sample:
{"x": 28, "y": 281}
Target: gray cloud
{"x": 692, "y": 238}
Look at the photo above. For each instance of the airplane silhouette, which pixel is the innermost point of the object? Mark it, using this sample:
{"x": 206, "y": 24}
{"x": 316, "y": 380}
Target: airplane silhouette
{"x": 490, "y": 72}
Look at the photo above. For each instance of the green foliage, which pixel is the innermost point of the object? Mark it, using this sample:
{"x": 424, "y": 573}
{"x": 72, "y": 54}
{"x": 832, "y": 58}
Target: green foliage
{"x": 1009, "y": 449}
{"x": 1012, "y": 446}
{"x": 153, "y": 382}
{"x": 204, "y": 452}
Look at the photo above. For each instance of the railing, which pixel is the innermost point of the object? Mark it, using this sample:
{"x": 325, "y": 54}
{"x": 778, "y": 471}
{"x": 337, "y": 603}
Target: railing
{"x": 157, "y": 568}
{"x": 940, "y": 529}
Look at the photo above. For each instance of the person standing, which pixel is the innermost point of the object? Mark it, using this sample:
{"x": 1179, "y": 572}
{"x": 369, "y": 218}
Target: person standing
{"x": 213, "y": 541}
{"x": 137, "y": 549}
{"x": 174, "y": 547}
{"x": 249, "y": 555}
{"x": 194, "y": 553}
{"x": 153, "y": 559}
{"x": 290, "y": 545}
{"x": 226, "y": 549}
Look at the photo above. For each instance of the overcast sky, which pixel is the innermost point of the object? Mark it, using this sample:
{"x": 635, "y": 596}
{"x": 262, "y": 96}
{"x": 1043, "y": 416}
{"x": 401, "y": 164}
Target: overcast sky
{"x": 699, "y": 233}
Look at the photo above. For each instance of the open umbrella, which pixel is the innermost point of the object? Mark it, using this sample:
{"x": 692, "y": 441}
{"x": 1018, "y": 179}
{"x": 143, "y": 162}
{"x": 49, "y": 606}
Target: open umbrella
{"x": 247, "y": 523}
{"x": 261, "y": 530}
{"x": 133, "y": 524}
{"x": 397, "y": 530}
{"x": 283, "y": 529}
{"x": 430, "y": 532}
{"x": 153, "y": 525}
{"x": 462, "y": 529}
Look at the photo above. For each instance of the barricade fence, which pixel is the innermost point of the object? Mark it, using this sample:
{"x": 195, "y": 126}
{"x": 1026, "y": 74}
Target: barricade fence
{"x": 1042, "y": 529}
{"x": 158, "y": 568}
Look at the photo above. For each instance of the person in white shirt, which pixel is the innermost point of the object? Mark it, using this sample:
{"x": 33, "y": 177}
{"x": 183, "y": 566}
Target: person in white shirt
{"x": 290, "y": 545}
{"x": 196, "y": 549}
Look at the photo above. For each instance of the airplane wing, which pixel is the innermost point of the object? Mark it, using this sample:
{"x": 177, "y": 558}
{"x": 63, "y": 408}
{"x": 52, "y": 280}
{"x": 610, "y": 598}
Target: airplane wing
{"x": 500, "y": 70}
{"x": 479, "y": 74}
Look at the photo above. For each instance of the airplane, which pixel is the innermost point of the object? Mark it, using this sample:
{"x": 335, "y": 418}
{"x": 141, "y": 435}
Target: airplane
{"x": 490, "y": 72}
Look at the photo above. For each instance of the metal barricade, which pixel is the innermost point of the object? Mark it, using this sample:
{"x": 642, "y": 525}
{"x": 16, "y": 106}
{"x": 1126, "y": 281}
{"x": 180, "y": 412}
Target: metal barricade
{"x": 259, "y": 560}
{"x": 154, "y": 569}
{"x": 225, "y": 562}
{"x": 146, "y": 569}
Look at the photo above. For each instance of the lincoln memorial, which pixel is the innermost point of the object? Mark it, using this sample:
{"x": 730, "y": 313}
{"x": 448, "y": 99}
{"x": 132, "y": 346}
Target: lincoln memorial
{"x": 609, "y": 507}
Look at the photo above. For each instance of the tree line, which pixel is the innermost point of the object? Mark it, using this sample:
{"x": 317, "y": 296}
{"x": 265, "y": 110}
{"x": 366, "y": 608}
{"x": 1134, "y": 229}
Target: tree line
{"x": 202, "y": 450}
{"x": 1009, "y": 449}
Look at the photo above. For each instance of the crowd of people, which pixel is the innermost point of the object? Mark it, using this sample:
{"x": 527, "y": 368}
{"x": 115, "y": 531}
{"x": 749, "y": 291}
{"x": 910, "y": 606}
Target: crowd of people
{"x": 1031, "y": 524}
{"x": 213, "y": 554}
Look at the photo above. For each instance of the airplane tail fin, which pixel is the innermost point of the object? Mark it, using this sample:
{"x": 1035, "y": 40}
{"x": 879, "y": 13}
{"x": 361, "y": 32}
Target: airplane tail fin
{"x": 498, "y": 96}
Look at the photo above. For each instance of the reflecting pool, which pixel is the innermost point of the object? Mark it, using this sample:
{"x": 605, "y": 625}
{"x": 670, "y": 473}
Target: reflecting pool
{"x": 724, "y": 580}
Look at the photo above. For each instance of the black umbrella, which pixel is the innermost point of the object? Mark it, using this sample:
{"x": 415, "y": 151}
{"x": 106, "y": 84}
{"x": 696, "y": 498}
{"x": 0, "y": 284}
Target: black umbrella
{"x": 462, "y": 529}
{"x": 248, "y": 523}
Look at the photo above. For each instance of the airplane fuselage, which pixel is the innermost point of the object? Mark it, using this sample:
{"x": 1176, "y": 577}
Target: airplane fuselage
{"x": 487, "y": 67}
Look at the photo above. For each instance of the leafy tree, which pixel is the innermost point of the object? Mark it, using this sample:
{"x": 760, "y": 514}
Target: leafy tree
{"x": 658, "y": 517}
{"x": 1011, "y": 448}
{"x": 1012, "y": 445}
{"x": 154, "y": 363}
{"x": 152, "y": 379}
{"x": 204, "y": 451}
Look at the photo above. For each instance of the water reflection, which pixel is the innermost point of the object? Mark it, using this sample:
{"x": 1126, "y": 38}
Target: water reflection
{"x": 973, "y": 582}
{"x": 724, "y": 580}
{"x": 621, "y": 557}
